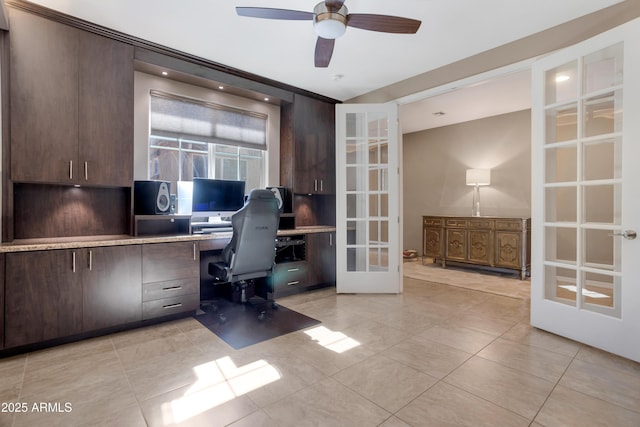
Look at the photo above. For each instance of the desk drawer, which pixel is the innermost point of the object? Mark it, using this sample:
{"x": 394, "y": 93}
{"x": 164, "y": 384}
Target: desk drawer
{"x": 290, "y": 274}
{"x": 167, "y": 306}
{"x": 170, "y": 288}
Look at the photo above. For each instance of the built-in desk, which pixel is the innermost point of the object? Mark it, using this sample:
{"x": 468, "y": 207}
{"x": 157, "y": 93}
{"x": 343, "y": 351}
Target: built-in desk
{"x": 65, "y": 289}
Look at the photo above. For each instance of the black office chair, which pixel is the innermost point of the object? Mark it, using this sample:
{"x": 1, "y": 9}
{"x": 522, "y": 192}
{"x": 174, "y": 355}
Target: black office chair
{"x": 251, "y": 252}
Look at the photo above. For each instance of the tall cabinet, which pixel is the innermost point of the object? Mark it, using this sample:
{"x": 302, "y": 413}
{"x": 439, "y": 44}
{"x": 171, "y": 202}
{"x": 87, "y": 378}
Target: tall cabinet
{"x": 314, "y": 141}
{"x": 307, "y": 166}
{"x": 71, "y": 105}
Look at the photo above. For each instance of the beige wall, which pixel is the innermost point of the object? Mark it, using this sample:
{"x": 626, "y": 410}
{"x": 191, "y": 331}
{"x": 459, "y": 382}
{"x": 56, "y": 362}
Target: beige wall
{"x": 435, "y": 164}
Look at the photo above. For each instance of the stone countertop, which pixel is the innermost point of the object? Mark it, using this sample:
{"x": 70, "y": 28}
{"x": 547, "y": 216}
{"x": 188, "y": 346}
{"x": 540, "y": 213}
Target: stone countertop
{"x": 24, "y": 245}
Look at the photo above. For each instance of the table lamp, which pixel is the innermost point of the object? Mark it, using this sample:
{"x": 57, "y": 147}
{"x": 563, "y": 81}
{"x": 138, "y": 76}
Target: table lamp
{"x": 476, "y": 178}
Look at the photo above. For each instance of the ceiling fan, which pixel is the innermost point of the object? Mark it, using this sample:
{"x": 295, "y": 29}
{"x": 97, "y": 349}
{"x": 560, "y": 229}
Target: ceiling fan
{"x": 330, "y": 20}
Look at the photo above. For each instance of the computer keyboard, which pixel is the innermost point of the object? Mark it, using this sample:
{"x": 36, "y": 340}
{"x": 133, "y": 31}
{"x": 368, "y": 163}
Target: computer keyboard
{"x": 211, "y": 230}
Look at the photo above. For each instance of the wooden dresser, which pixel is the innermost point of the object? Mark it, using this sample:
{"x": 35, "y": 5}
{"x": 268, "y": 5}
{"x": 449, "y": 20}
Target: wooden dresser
{"x": 492, "y": 242}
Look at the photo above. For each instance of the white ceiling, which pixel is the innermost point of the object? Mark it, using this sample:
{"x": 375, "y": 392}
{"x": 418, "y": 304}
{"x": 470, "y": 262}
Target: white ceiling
{"x": 363, "y": 61}
{"x": 491, "y": 97}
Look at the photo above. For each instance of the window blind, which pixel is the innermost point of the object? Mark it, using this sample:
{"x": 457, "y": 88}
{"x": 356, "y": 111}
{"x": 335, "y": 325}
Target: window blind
{"x": 185, "y": 118}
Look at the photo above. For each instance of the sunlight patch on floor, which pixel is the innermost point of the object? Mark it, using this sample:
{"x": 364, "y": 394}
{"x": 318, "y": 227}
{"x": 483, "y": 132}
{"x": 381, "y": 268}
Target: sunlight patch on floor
{"x": 218, "y": 382}
{"x": 585, "y": 292}
{"x": 334, "y": 341}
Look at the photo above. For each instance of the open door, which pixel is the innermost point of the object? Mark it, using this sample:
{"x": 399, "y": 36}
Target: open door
{"x": 585, "y": 280}
{"x": 368, "y": 199}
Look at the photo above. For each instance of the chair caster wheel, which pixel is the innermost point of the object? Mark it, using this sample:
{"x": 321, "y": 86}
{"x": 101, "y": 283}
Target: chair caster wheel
{"x": 261, "y": 316}
{"x": 274, "y": 306}
{"x": 222, "y": 318}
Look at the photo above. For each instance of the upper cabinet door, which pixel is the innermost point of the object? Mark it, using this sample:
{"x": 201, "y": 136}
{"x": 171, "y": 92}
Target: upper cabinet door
{"x": 71, "y": 105}
{"x": 105, "y": 111}
{"x": 44, "y": 99}
{"x": 314, "y": 139}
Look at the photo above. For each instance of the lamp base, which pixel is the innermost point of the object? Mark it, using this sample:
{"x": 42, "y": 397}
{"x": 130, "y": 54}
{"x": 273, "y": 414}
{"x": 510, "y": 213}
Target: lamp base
{"x": 475, "y": 207}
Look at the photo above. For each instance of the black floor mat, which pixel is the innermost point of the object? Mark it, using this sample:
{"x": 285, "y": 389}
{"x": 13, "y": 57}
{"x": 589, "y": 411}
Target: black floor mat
{"x": 241, "y": 327}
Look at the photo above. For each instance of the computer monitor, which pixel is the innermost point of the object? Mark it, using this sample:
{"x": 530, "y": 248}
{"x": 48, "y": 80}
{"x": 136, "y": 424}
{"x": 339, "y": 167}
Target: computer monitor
{"x": 216, "y": 198}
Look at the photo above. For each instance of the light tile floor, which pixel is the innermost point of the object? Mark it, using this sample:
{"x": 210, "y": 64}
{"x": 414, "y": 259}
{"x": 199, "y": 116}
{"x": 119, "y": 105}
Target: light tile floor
{"x": 437, "y": 355}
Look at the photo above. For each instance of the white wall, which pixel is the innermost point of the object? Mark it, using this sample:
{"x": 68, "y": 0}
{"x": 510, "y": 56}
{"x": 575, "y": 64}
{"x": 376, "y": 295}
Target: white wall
{"x": 144, "y": 83}
{"x": 435, "y": 164}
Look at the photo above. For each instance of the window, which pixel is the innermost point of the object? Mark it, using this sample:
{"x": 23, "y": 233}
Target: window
{"x": 197, "y": 139}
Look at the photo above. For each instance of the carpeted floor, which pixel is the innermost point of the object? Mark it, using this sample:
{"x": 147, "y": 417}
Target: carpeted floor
{"x": 508, "y": 285}
{"x": 239, "y": 325}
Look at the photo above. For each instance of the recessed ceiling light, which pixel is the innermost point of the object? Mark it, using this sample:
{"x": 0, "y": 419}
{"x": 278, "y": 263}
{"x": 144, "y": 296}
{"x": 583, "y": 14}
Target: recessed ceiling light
{"x": 266, "y": 99}
{"x": 562, "y": 78}
{"x": 221, "y": 87}
{"x": 439, "y": 113}
{"x": 164, "y": 73}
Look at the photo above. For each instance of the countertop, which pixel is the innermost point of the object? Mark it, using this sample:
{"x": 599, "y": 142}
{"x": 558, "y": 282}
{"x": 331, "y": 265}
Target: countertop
{"x": 24, "y": 245}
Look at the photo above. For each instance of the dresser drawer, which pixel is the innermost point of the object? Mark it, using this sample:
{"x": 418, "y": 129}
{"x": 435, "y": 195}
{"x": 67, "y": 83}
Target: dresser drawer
{"x": 168, "y": 306}
{"x": 508, "y": 224}
{"x": 432, "y": 221}
{"x": 484, "y": 224}
{"x": 455, "y": 223}
{"x": 170, "y": 288}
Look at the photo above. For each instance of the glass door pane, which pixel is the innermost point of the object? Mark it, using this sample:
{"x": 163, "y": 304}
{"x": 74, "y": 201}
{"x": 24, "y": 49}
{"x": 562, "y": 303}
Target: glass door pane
{"x": 367, "y": 191}
{"x": 582, "y": 190}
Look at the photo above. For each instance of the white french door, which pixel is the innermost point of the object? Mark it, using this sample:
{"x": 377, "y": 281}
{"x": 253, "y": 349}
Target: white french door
{"x": 368, "y": 199}
{"x": 585, "y": 280}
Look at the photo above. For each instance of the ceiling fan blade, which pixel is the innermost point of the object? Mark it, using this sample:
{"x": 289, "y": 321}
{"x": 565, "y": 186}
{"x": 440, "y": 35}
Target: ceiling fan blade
{"x": 268, "y": 13}
{"x": 324, "y": 50}
{"x": 383, "y": 23}
{"x": 334, "y": 5}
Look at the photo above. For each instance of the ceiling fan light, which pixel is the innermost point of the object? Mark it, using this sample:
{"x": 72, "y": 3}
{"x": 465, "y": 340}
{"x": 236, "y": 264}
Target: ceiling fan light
{"x": 329, "y": 28}
{"x": 329, "y": 24}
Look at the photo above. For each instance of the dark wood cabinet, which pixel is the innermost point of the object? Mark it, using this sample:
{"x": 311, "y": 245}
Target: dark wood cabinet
{"x": 112, "y": 286}
{"x": 321, "y": 258}
{"x": 58, "y": 293}
{"x": 43, "y": 297}
{"x": 106, "y": 101}
{"x": 314, "y": 139}
{"x": 71, "y": 105}
{"x": 171, "y": 278}
{"x": 1, "y": 301}
{"x": 169, "y": 261}
{"x": 44, "y": 99}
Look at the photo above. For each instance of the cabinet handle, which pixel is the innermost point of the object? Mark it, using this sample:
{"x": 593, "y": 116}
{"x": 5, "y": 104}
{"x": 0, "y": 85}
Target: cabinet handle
{"x": 293, "y": 269}
{"x": 194, "y": 251}
{"x": 178, "y": 304}
{"x": 90, "y": 260}
{"x": 73, "y": 262}
{"x": 70, "y": 169}
{"x": 172, "y": 288}
{"x": 315, "y": 185}
{"x": 321, "y": 185}
{"x": 295, "y": 282}
{"x": 330, "y": 239}
{"x": 86, "y": 171}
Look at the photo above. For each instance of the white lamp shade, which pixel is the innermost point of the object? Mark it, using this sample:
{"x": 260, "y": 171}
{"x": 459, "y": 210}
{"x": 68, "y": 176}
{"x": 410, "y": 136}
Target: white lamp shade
{"x": 478, "y": 176}
{"x": 330, "y": 28}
